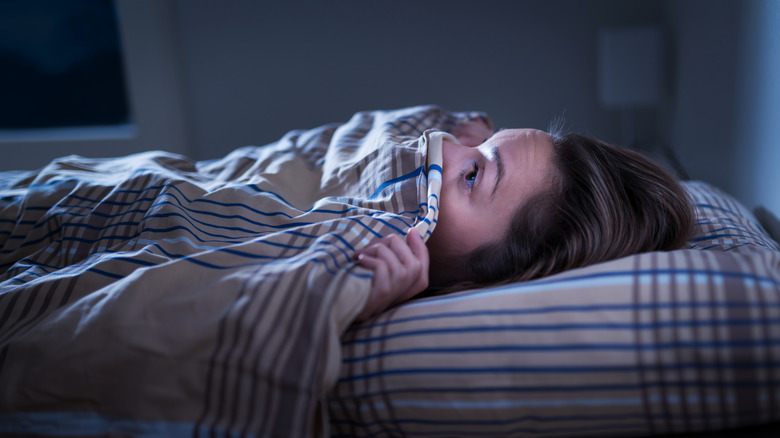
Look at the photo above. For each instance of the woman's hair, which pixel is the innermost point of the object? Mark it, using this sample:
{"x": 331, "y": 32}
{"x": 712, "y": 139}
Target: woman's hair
{"x": 603, "y": 202}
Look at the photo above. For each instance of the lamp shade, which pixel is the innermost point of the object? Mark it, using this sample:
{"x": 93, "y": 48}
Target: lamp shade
{"x": 630, "y": 66}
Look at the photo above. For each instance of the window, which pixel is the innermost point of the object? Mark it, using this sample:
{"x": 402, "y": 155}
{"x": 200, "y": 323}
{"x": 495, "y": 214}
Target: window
{"x": 61, "y": 65}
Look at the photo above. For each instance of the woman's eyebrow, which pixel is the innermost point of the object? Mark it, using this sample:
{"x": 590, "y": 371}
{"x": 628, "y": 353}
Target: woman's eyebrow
{"x": 500, "y": 170}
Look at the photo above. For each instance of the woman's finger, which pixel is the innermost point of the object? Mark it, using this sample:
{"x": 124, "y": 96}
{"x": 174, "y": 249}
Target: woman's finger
{"x": 400, "y": 269}
{"x": 373, "y": 247}
{"x": 402, "y": 251}
{"x": 417, "y": 246}
{"x": 380, "y": 286}
{"x": 420, "y": 251}
{"x": 389, "y": 260}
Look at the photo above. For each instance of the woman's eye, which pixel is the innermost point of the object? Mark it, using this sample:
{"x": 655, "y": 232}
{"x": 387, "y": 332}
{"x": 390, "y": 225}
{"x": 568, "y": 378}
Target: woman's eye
{"x": 471, "y": 177}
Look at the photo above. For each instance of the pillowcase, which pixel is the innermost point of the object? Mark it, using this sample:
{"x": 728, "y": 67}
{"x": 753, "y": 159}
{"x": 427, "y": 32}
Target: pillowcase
{"x": 723, "y": 223}
{"x": 655, "y": 343}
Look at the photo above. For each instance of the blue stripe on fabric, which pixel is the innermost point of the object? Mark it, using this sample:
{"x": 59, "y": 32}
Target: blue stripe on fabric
{"x": 87, "y": 265}
{"x": 94, "y": 424}
{"x": 178, "y": 204}
{"x": 598, "y": 431}
{"x": 301, "y": 211}
{"x": 257, "y": 257}
{"x": 230, "y": 239}
{"x": 400, "y": 231}
{"x": 526, "y": 418}
{"x": 257, "y": 189}
{"x": 435, "y": 168}
{"x": 393, "y": 217}
{"x": 196, "y": 200}
{"x": 190, "y": 219}
{"x": 106, "y": 273}
{"x": 709, "y": 237}
{"x": 609, "y": 424}
{"x": 557, "y": 348}
{"x": 508, "y": 404}
{"x": 28, "y": 273}
{"x": 330, "y": 271}
{"x": 134, "y": 239}
{"x": 67, "y": 183}
{"x": 533, "y": 403}
{"x": 563, "y": 369}
{"x": 702, "y": 205}
{"x": 726, "y": 227}
{"x": 404, "y": 122}
{"x": 371, "y": 230}
{"x": 602, "y": 307}
{"x": 337, "y": 236}
{"x": 741, "y": 245}
{"x": 519, "y": 419}
{"x": 565, "y": 327}
{"x": 721, "y": 221}
{"x": 232, "y": 228}
{"x": 124, "y": 237}
{"x": 70, "y": 197}
{"x": 466, "y": 391}
{"x": 644, "y": 276}
{"x": 388, "y": 183}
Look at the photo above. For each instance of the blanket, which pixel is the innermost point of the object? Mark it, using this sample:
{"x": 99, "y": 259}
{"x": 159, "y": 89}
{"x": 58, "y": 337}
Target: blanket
{"x": 153, "y": 295}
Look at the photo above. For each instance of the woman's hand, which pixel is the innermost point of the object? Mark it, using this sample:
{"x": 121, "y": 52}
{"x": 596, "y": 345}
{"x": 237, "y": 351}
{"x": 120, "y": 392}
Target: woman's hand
{"x": 472, "y": 133}
{"x": 400, "y": 271}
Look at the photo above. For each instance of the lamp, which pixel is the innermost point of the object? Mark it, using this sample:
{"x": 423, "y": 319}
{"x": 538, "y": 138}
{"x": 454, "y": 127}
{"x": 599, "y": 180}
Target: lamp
{"x": 630, "y": 66}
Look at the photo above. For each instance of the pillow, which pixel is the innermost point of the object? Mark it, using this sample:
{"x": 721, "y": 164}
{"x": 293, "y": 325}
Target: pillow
{"x": 724, "y": 224}
{"x": 655, "y": 343}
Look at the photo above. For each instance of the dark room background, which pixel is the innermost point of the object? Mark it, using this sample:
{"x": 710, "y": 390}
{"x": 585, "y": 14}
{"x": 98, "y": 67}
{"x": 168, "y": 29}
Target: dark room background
{"x": 202, "y": 78}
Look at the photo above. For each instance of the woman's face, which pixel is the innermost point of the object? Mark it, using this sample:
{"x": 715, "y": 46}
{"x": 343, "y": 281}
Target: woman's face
{"x": 483, "y": 186}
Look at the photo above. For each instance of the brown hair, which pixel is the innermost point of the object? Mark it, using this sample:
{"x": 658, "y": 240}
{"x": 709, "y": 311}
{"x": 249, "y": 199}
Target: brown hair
{"x": 603, "y": 202}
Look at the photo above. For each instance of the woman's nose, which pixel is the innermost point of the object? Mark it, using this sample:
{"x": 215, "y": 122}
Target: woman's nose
{"x": 452, "y": 151}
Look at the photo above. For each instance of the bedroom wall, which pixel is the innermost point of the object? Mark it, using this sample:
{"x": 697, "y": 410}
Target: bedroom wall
{"x": 726, "y": 106}
{"x": 207, "y": 77}
{"x": 251, "y": 71}
{"x": 254, "y": 70}
{"x": 701, "y": 117}
{"x": 757, "y": 136}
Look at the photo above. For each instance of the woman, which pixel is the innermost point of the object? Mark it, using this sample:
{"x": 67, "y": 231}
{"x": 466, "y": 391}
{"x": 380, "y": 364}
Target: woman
{"x": 556, "y": 202}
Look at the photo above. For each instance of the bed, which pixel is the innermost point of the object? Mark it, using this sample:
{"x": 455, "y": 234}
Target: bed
{"x": 152, "y": 295}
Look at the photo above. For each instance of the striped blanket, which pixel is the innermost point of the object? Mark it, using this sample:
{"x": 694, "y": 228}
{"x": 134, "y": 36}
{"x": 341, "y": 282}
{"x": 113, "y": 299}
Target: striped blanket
{"x": 151, "y": 295}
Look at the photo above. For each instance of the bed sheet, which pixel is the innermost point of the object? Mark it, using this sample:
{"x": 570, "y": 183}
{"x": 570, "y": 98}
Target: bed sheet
{"x": 151, "y": 295}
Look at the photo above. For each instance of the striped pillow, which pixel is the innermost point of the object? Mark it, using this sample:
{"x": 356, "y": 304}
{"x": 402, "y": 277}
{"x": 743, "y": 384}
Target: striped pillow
{"x": 655, "y": 343}
{"x": 724, "y": 224}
